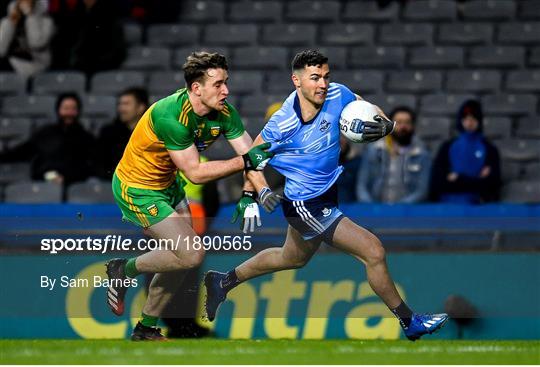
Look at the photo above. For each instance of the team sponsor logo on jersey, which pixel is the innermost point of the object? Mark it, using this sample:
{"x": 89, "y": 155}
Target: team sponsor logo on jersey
{"x": 326, "y": 212}
{"x": 215, "y": 130}
{"x": 153, "y": 210}
{"x": 324, "y": 125}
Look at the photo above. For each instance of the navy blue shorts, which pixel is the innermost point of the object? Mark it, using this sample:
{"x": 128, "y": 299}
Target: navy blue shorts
{"x": 315, "y": 219}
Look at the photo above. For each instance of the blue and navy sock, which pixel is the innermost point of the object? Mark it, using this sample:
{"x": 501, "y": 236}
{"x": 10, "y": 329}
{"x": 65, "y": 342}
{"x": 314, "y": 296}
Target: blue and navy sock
{"x": 404, "y": 314}
{"x": 230, "y": 281}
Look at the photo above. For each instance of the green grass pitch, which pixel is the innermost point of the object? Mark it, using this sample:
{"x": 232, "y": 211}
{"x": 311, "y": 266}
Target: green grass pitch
{"x": 212, "y": 351}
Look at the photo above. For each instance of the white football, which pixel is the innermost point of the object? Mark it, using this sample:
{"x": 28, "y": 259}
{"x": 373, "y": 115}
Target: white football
{"x": 354, "y": 114}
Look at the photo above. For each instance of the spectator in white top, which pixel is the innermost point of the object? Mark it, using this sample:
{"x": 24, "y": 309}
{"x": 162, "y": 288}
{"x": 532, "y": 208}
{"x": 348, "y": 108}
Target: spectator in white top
{"x": 25, "y": 38}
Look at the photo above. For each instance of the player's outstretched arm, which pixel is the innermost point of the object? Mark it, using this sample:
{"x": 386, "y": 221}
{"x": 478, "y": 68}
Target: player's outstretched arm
{"x": 187, "y": 160}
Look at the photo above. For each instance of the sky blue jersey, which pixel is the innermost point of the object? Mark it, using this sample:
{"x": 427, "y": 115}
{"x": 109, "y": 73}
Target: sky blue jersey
{"x": 307, "y": 153}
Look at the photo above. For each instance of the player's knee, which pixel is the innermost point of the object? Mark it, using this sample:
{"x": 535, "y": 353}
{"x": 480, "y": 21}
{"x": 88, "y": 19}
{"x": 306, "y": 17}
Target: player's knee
{"x": 297, "y": 263}
{"x": 377, "y": 253}
{"x": 193, "y": 259}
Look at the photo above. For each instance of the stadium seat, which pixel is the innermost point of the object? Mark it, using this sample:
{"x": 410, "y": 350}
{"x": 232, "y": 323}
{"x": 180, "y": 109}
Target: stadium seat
{"x": 172, "y": 35}
{"x": 377, "y": 57}
{"x": 260, "y": 57}
{"x": 230, "y": 34}
{"x": 347, "y": 34}
{"x": 442, "y": 104}
{"x": 256, "y": 11}
{"x": 29, "y": 106}
{"x": 476, "y": 81}
{"x": 289, "y": 34}
{"x": 534, "y": 56}
{"x": 529, "y": 9}
{"x": 14, "y": 172}
{"x": 519, "y": 33}
{"x": 256, "y": 105}
{"x": 180, "y": 54}
{"x": 13, "y": 128}
{"x": 522, "y": 150}
{"x": 11, "y": 84}
{"x": 59, "y": 82}
{"x": 532, "y": 171}
{"x": 433, "y": 128}
{"x": 279, "y": 82}
{"x": 489, "y": 9}
{"x": 93, "y": 191}
{"x": 147, "y": 58}
{"x": 527, "y": 81}
{"x": 360, "y": 81}
{"x": 499, "y": 57}
{"x": 114, "y": 82}
{"x": 524, "y": 192}
{"x": 509, "y": 104}
{"x": 430, "y": 10}
{"x": 312, "y": 10}
{"x": 436, "y": 57}
{"x": 388, "y": 101}
{"x": 414, "y": 81}
{"x": 528, "y": 127}
{"x": 370, "y": 10}
{"x": 132, "y": 33}
{"x": 98, "y": 106}
{"x": 33, "y": 192}
{"x": 165, "y": 82}
{"x": 465, "y": 33}
{"x": 497, "y": 127}
{"x": 245, "y": 82}
{"x": 202, "y": 11}
{"x": 406, "y": 34}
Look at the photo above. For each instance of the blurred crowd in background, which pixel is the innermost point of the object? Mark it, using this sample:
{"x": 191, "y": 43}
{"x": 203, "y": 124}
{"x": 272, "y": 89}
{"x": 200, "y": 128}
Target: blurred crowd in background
{"x": 447, "y": 157}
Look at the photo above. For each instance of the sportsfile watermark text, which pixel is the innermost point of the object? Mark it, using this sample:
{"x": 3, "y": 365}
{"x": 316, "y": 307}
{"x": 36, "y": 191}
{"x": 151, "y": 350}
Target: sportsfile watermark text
{"x": 121, "y": 243}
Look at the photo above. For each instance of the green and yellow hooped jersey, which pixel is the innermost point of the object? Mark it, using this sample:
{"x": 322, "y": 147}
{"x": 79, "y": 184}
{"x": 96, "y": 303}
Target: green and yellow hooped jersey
{"x": 171, "y": 124}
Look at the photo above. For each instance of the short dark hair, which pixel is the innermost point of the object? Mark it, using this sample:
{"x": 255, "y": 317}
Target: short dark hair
{"x": 140, "y": 94}
{"x": 308, "y": 58}
{"x": 403, "y": 109}
{"x": 198, "y": 63}
{"x": 68, "y": 95}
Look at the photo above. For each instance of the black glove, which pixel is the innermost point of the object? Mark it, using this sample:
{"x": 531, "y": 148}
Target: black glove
{"x": 376, "y": 129}
{"x": 269, "y": 200}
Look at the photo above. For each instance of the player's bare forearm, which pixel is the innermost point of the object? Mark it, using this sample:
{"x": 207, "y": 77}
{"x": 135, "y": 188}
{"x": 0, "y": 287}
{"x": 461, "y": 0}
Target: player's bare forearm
{"x": 197, "y": 172}
{"x": 257, "y": 180}
{"x": 213, "y": 170}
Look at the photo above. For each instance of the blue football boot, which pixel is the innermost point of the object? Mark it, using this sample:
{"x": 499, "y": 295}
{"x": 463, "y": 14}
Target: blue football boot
{"x": 422, "y": 324}
{"x": 215, "y": 294}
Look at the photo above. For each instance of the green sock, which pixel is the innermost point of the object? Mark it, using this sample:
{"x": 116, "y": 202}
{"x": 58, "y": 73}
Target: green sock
{"x": 130, "y": 268}
{"x": 148, "y": 321}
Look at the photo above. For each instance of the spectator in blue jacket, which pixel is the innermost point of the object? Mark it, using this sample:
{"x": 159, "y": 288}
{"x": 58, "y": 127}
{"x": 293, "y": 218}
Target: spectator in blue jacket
{"x": 395, "y": 169}
{"x": 467, "y": 168}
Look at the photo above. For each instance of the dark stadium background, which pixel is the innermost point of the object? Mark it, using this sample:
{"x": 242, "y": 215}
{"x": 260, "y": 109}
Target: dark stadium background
{"x": 428, "y": 55}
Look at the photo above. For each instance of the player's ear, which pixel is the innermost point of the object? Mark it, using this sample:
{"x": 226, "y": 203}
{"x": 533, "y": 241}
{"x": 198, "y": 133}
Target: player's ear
{"x": 196, "y": 88}
{"x": 296, "y": 80}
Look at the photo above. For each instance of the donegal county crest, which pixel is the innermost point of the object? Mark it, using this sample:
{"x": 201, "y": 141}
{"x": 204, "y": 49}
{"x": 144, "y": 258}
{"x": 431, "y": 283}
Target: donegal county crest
{"x": 214, "y": 131}
{"x": 153, "y": 210}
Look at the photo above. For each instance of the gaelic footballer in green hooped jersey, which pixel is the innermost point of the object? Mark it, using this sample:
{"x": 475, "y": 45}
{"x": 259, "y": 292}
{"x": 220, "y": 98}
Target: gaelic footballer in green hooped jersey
{"x": 171, "y": 124}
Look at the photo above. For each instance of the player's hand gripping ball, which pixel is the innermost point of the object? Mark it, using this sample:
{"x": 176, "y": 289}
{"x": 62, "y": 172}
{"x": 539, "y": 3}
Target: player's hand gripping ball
{"x": 360, "y": 122}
